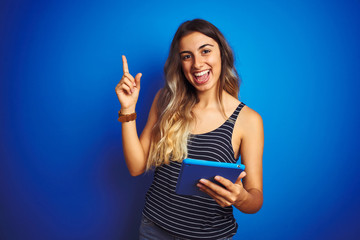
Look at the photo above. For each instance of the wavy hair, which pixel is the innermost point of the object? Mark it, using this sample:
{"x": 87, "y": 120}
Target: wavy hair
{"x": 171, "y": 132}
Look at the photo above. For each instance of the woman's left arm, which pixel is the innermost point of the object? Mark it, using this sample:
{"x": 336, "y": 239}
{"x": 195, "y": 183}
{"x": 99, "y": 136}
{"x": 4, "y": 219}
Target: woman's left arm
{"x": 246, "y": 195}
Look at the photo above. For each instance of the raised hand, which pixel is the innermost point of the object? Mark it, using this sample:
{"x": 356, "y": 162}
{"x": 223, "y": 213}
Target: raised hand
{"x": 127, "y": 90}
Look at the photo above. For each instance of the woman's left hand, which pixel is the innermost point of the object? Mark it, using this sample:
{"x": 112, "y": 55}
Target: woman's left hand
{"x": 230, "y": 195}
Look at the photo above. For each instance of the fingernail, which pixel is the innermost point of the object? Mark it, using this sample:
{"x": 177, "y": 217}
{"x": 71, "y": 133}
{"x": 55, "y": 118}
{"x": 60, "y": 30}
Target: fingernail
{"x": 217, "y": 178}
{"x": 202, "y": 180}
{"x": 134, "y": 84}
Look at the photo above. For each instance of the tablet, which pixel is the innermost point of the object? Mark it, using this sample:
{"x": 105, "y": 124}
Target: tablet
{"x": 192, "y": 170}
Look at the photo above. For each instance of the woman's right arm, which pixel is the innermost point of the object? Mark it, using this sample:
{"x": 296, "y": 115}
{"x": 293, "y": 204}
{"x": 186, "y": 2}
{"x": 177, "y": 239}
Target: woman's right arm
{"x": 135, "y": 150}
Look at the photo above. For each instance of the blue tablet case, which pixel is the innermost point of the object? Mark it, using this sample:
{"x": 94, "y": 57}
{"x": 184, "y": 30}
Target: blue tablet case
{"x": 192, "y": 170}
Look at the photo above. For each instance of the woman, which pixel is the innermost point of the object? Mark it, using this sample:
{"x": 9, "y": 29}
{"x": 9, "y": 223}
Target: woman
{"x": 196, "y": 115}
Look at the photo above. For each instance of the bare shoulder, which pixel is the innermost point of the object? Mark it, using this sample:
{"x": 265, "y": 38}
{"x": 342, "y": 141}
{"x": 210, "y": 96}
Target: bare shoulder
{"x": 247, "y": 126}
{"x": 250, "y": 116}
{"x": 249, "y": 120}
{"x": 155, "y": 103}
{"x": 157, "y": 96}
{"x": 152, "y": 118}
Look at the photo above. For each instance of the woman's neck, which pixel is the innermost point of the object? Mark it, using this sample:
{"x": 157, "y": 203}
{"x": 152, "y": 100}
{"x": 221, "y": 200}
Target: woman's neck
{"x": 210, "y": 100}
{"x": 207, "y": 99}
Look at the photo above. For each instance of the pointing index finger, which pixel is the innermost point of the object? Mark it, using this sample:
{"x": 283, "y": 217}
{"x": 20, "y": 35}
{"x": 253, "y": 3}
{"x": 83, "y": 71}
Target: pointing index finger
{"x": 125, "y": 64}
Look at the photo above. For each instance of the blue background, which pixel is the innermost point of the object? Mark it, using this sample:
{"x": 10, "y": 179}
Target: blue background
{"x": 62, "y": 172}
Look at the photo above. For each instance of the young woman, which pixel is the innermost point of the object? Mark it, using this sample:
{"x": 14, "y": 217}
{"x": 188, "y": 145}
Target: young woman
{"x": 197, "y": 115}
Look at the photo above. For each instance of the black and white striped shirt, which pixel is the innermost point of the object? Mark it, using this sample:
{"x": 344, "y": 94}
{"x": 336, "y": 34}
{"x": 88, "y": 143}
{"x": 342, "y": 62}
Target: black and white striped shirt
{"x": 193, "y": 217}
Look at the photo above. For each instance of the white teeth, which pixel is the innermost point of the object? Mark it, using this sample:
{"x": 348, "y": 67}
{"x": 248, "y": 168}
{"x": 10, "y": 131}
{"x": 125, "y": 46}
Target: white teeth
{"x": 201, "y": 73}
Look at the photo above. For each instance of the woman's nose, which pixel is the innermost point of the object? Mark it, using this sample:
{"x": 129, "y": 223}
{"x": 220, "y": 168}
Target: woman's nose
{"x": 198, "y": 62}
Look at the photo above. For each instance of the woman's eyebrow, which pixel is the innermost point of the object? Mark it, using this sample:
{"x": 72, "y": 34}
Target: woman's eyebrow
{"x": 202, "y": 46}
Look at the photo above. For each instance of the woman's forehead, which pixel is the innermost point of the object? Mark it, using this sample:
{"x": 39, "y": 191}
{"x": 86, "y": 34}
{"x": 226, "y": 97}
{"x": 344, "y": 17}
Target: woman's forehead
{"x": 194, "y": 40}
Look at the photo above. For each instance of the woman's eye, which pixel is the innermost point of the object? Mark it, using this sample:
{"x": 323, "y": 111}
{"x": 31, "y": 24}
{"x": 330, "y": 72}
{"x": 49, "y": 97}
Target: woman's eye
{"x": 206, "y": 51}
{"x": 185, "y": 57}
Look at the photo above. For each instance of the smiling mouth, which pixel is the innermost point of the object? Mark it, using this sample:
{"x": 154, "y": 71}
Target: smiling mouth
{"x": 202, "y": 77}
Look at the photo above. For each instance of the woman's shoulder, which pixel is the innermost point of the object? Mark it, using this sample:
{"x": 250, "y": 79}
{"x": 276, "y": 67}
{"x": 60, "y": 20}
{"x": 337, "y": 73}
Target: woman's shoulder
{"x": 250, "y": 113}
{"x": 154, "y": 110}
{"x": 158, "y": 96}
{"x": 250, "y": 119}
{"x": 247, "y": 115}
{"x": 161, "y": 95}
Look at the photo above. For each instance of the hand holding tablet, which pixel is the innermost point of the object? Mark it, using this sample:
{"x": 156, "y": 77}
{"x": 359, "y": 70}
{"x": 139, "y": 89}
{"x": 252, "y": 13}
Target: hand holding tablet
{"x": 193, "y": 170}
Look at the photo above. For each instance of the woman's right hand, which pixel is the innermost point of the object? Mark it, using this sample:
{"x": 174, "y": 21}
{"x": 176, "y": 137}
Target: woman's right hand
{"x": 127, "y": 90}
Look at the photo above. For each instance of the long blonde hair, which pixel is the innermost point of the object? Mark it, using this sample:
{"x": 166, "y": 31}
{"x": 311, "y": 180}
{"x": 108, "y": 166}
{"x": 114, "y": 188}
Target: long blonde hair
{"x": 171, "y": 132}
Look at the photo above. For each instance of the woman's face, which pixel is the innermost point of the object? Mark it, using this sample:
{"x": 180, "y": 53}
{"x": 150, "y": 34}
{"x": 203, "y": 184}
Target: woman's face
{"x": 200, "y": 61}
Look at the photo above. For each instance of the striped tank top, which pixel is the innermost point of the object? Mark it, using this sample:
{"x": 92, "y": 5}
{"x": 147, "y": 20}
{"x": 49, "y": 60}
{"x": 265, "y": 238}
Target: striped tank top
{"x": 193, "y": 217}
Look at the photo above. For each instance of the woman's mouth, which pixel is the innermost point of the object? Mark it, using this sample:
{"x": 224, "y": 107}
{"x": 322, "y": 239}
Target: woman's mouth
{"x": 202, "y": 77}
